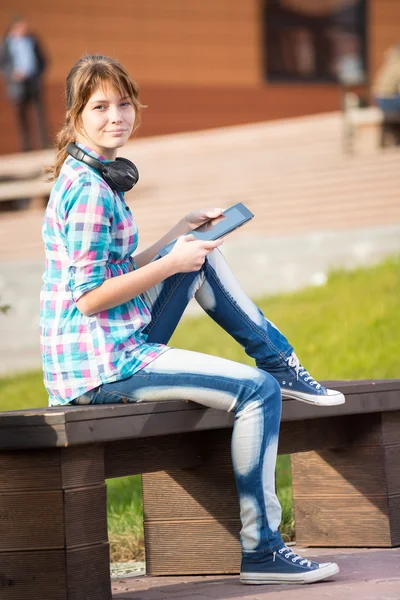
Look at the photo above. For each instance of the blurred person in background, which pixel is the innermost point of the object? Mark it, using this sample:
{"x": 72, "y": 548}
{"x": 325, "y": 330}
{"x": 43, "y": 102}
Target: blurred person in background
{"x": 107, "y": 314}
{"x": 23, "y": 62}
{"x": 386, "y": 88}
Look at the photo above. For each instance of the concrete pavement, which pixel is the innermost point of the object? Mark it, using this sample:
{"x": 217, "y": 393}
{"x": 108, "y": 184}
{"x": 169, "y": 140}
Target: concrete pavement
{"x": 365, "y": 574}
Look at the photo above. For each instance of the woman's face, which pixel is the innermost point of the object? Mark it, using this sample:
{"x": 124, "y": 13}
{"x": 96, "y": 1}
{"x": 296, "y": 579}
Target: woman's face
{"x": 106, "y": 121}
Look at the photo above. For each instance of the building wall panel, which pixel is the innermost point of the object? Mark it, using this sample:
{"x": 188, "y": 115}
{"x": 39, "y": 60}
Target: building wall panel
{"x": 384, "y": 30}
{"x": 198, "y": 64}
{"x": 178, "y": 42}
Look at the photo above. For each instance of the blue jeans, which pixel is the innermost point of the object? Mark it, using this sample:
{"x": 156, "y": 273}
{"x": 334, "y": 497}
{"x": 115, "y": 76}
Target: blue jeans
{"x": 389, "y": 105}
{"x": 250, "y": 393}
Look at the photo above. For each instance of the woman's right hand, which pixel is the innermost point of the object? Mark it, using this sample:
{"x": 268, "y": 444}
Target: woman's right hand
{"x": 189, "y": 253}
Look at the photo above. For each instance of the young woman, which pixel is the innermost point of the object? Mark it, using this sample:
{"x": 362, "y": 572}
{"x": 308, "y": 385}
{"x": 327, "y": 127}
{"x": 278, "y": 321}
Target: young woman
{"x": 106, "y": 315}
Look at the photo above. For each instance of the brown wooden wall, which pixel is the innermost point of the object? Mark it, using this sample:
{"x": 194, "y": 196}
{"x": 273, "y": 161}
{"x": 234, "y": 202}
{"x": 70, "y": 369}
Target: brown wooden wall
{"x": 384, "y": 30}
{"x": 198, "y": 63}
{"x": 179, "y": 42}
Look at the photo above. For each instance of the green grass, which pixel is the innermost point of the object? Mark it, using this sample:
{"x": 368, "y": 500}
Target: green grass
{"x": 125, "y": 518}
{"x": 25, "y": 390}
{"x": 346, "y": 329}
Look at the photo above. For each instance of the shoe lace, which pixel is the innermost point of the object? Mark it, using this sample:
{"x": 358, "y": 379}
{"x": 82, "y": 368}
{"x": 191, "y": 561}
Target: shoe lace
{"x": 294, "y": 362}
{"x": 296, "y": 557}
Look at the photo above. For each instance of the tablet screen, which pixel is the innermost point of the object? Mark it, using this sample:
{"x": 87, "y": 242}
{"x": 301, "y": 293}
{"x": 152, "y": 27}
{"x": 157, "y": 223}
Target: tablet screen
{"x": 218, "y": 227}
{"x": 232, "y": 218}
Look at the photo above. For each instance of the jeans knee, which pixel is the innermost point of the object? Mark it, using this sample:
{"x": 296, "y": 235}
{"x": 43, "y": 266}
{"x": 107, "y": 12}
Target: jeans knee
{"x": 270, "y": 389}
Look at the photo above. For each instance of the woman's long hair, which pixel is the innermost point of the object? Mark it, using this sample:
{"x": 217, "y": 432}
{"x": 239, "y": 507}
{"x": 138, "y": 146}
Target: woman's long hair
{"x": 86, "y": 76}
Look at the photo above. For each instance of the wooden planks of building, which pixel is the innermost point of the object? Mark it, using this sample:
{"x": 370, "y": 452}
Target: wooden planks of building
{"x": 199, "y": 64}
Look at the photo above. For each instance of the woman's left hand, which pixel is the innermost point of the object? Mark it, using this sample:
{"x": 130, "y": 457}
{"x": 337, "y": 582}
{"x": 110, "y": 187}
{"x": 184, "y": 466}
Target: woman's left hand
{"x": 198, "y": 217}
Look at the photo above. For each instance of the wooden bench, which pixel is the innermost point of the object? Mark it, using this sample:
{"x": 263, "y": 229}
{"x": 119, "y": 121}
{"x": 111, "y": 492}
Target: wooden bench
{"x": 54, "y": 462}
{"x": 22, "y": 178}
{"x": 369, "y": 129}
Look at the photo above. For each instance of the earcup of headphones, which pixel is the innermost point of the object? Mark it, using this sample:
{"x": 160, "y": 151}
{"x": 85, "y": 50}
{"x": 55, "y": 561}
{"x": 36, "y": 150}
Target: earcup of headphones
{"x": 121, "y": 174}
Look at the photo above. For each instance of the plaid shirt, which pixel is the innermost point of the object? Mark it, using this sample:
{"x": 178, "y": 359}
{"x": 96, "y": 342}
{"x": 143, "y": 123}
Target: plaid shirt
{"x": 89, "y": 236}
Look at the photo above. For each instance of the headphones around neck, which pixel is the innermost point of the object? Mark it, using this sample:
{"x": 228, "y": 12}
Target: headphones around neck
{"x": 120, "y": 174}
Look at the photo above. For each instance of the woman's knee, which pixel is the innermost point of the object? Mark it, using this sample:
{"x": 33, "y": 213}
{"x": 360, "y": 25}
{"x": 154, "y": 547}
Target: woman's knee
{"x": 262, "y": 396}
{"x": 269, "y": 388}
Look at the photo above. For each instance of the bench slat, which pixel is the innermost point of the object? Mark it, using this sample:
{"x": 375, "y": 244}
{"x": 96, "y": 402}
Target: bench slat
{"x": 58, "y": 414}
{"x": 24, "y": 189}
{"x": 32, "y": 418}
{"x": 70, "y": 426}
{"x": 38, "y": 436}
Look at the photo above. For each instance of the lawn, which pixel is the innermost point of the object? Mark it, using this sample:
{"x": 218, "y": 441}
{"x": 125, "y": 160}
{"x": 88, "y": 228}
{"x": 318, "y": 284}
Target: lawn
{"x": 346, "y": 329}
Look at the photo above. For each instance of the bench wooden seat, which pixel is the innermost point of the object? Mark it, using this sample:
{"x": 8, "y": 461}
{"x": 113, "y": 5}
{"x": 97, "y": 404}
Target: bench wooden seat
{"x": 21, "y": 176}
{"x": 30, "y": 188}
{"x": 54, "y": 462}
{"x": 369, "y": 129}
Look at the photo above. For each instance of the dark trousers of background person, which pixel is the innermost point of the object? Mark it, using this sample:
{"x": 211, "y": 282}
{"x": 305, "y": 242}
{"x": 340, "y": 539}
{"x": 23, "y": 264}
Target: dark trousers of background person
{"x": 391, "y": 121}
{"x": 31, "y": 97}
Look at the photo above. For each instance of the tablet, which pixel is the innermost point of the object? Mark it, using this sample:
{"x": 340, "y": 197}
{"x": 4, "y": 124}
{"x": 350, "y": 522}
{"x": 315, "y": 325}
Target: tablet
{"x": 232, "y": 218}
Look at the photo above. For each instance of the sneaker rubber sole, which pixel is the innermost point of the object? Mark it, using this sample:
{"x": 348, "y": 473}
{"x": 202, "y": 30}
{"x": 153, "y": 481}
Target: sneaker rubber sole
{"x": 324, "y": 571}
{"x": 314, "y": 398}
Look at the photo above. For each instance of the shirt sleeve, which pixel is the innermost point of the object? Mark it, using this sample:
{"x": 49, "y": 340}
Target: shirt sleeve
{"x": 88, "y": 216}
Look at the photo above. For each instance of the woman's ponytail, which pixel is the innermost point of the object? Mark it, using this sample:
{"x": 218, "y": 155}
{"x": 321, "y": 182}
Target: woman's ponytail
{"x": 64, "y": 137}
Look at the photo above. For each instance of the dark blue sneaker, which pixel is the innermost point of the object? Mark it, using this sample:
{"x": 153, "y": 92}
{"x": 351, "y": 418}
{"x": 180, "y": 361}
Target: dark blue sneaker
{"x": 297, "y": 383}
{"x": 284, "y": 566}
